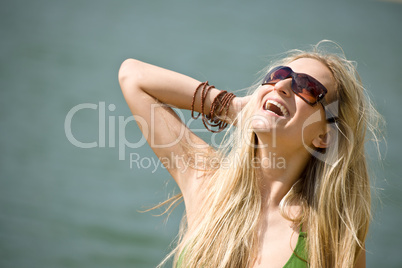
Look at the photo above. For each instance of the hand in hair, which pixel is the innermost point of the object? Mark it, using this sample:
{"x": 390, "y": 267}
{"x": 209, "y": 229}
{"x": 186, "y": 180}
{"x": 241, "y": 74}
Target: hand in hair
{"x": 236, "y": 107}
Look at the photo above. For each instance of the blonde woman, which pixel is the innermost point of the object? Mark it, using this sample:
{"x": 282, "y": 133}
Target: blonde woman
{"x": 288, "y": 187}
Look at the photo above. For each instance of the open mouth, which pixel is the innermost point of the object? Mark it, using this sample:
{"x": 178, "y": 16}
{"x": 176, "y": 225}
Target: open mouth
{"x": 276, "y": 108}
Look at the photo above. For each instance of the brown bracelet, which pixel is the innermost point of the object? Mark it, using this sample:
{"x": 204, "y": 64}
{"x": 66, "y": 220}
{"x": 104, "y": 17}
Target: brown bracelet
{"x": 219, "y": 105}
{"x": 204, "y": 84}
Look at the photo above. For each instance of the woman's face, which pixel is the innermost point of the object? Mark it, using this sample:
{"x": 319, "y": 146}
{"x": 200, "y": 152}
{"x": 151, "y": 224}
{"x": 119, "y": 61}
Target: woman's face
{"x": 282, "y": 119}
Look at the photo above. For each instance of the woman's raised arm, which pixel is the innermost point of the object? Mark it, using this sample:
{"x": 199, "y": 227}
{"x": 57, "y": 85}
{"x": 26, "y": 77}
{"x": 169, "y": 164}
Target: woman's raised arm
{"x": 167, "y": 86}
{"x": 146, "y": 89}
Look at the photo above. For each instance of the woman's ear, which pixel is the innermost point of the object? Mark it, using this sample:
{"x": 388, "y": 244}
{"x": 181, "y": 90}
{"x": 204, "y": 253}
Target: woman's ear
{"x": 322, "y": 140}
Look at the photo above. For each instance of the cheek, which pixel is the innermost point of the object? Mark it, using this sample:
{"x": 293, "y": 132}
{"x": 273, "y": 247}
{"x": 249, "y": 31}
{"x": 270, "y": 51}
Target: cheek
{"x": 310, "y": 121}
{"x": 313, "y": 126}
{"x": 261, "y": 91}
{"x": 311, "y": 131}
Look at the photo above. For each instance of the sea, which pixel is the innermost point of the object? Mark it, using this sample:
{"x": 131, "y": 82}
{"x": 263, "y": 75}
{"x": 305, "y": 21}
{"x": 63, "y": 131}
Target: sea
{"x": 76, "y": 176}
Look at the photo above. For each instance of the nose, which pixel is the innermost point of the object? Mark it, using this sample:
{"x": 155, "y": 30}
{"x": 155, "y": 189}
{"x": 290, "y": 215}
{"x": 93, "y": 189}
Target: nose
{"x": 284, "y": 87}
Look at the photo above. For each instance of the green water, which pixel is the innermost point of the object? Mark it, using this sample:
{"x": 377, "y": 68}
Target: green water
{"x": 64, "y": 206}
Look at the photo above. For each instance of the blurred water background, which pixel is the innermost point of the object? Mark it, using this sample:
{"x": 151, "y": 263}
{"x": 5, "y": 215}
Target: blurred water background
{"x": 64, "y": 206}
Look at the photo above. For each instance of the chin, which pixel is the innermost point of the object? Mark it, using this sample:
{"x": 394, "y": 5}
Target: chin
{"x": 263, "y": 123}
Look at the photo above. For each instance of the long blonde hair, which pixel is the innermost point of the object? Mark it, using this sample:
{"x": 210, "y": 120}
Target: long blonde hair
{"x": 333, "y": 191}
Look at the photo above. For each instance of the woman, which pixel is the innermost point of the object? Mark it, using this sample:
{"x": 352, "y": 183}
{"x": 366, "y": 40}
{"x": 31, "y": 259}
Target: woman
{"x": 291, "y": 190}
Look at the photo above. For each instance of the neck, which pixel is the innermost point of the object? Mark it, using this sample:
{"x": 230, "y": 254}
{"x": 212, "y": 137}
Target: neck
{"x": 277, "y": 172}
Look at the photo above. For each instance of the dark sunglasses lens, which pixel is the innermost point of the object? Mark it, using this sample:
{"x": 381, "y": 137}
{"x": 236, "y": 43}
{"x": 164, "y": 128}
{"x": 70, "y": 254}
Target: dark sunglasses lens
{"x": 305, "y": 86}
{"x": 277, "y": 74}
{"x": 308, "y": 89}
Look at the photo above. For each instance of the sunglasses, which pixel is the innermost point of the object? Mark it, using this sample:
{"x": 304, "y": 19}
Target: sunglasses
{"x": 306, "y": 87}
{"x": 303, "y": 85}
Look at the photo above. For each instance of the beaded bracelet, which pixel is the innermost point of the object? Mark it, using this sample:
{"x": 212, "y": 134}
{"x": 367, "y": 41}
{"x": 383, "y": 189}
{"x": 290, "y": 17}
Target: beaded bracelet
{"x": 219, "y": 105}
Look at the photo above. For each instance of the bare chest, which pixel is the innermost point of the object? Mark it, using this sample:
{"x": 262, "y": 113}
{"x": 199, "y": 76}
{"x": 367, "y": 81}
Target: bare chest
{"x": 276, "y": 246}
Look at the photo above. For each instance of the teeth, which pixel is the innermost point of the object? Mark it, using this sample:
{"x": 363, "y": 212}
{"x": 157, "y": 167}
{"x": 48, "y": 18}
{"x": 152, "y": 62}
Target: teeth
{"x": 277, "y": 104}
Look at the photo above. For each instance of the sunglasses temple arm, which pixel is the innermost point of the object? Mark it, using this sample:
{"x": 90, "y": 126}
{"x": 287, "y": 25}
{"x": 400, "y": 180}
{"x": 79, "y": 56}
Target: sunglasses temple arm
{"x": 330, "y": 117}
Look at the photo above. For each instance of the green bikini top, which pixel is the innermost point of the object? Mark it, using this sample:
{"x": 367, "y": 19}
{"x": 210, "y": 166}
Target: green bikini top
{"x": 299, "y": 256}
{"x": 297, "y": 260}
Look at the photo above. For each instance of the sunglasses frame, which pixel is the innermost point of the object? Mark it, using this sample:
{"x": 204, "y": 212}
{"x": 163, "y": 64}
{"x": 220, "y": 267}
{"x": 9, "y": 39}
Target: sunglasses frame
{"x": 295, "y": 76}
{"x": 294, "y": 86}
